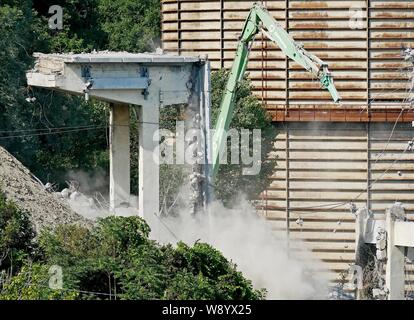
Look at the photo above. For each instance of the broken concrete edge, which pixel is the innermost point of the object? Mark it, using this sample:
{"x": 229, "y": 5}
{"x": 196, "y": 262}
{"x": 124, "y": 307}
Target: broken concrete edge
{"x": 71, "y": 74}
{"x": 119, "y": 57}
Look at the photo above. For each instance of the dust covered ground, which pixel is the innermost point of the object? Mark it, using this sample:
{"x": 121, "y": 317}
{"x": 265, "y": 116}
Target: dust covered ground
{"x": 21, "y": 187}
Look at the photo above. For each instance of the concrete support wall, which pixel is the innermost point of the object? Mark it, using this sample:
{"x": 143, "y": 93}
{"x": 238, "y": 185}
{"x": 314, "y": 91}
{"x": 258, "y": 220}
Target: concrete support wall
{"x": 148, "y": 168}
{"x": 119, "y": 194}
{"x": 395, "y": 275}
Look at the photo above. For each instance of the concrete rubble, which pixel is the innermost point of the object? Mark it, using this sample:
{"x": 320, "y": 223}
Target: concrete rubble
{"x": 27, "y": 192}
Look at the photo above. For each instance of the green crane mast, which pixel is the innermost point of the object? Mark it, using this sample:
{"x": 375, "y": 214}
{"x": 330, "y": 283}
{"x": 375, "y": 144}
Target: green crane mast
{"x": 258, "y": 20}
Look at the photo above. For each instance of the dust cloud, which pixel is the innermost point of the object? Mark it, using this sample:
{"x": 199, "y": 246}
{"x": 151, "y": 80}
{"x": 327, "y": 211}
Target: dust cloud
{"x": 247, "y": 239}
{"x": 238, "y": 232}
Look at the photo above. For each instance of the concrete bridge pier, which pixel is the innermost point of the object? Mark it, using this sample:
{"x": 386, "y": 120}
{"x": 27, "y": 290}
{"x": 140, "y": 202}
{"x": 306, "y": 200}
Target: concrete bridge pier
{"x": 144, "y": 81}
{"x": 149, "y": 174}
{"x": 119, "y": 155}
{"x": 120, "y": 173}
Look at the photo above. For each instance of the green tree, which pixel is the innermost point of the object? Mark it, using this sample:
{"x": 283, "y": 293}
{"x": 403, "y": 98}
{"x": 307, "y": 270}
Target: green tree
{"x": 16, "y": 236}
{"x": 117, "y": 259}
{"x": 131, "y": 25}
{"x": 21, "y": 122}
{"x": 87, "y": 25}
{"x": 230, "y": 181}
{"x": 81, "y": 30}
{"x": 248, "y": 114}
{"x": 16, "y": 19}
{"x": 85, "y": 147}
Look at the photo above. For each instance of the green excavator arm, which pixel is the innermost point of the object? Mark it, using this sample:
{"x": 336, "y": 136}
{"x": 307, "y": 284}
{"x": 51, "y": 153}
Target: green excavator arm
{"x": 260, "y": 19}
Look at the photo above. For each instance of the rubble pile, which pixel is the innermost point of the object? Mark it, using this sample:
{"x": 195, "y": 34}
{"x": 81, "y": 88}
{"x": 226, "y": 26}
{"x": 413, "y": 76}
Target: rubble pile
{"x": 29, "y": 194}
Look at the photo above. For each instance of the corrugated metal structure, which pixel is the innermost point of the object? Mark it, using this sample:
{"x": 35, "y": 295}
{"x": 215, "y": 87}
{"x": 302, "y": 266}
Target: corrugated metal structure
{"x": 322, "y": 167}
{"x": 361, "y": 40}
{"x": 328, "y": 156}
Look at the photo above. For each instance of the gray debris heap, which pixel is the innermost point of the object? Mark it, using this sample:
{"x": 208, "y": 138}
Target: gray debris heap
{"x": 29, "y": 194}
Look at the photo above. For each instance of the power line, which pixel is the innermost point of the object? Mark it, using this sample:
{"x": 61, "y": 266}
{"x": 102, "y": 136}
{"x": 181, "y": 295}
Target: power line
{"x": 384, "y": 173}
{"x": 52, "y": 133}
{"x": 390, "y": 137}
{"x": 80, "y": 291}
{"x": 43, "y": 285}
{"x": 80, "y": 127}
{"x": 328, "y": 206}
{"x": 339, "y": 204}
{"x": 45, "y": 129}
{"x": 410, "y": 89}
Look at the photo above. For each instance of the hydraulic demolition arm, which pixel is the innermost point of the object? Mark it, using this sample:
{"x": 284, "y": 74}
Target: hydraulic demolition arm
{"x": 259, "y": 19}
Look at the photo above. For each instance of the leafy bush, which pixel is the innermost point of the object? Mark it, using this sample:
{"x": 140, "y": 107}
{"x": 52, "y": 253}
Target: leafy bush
{"x": 117, "y": 260}
{"x": 32, "y": 284}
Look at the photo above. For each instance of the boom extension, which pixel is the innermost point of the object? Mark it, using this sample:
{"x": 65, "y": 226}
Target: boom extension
{"x": 258, "y": 17}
